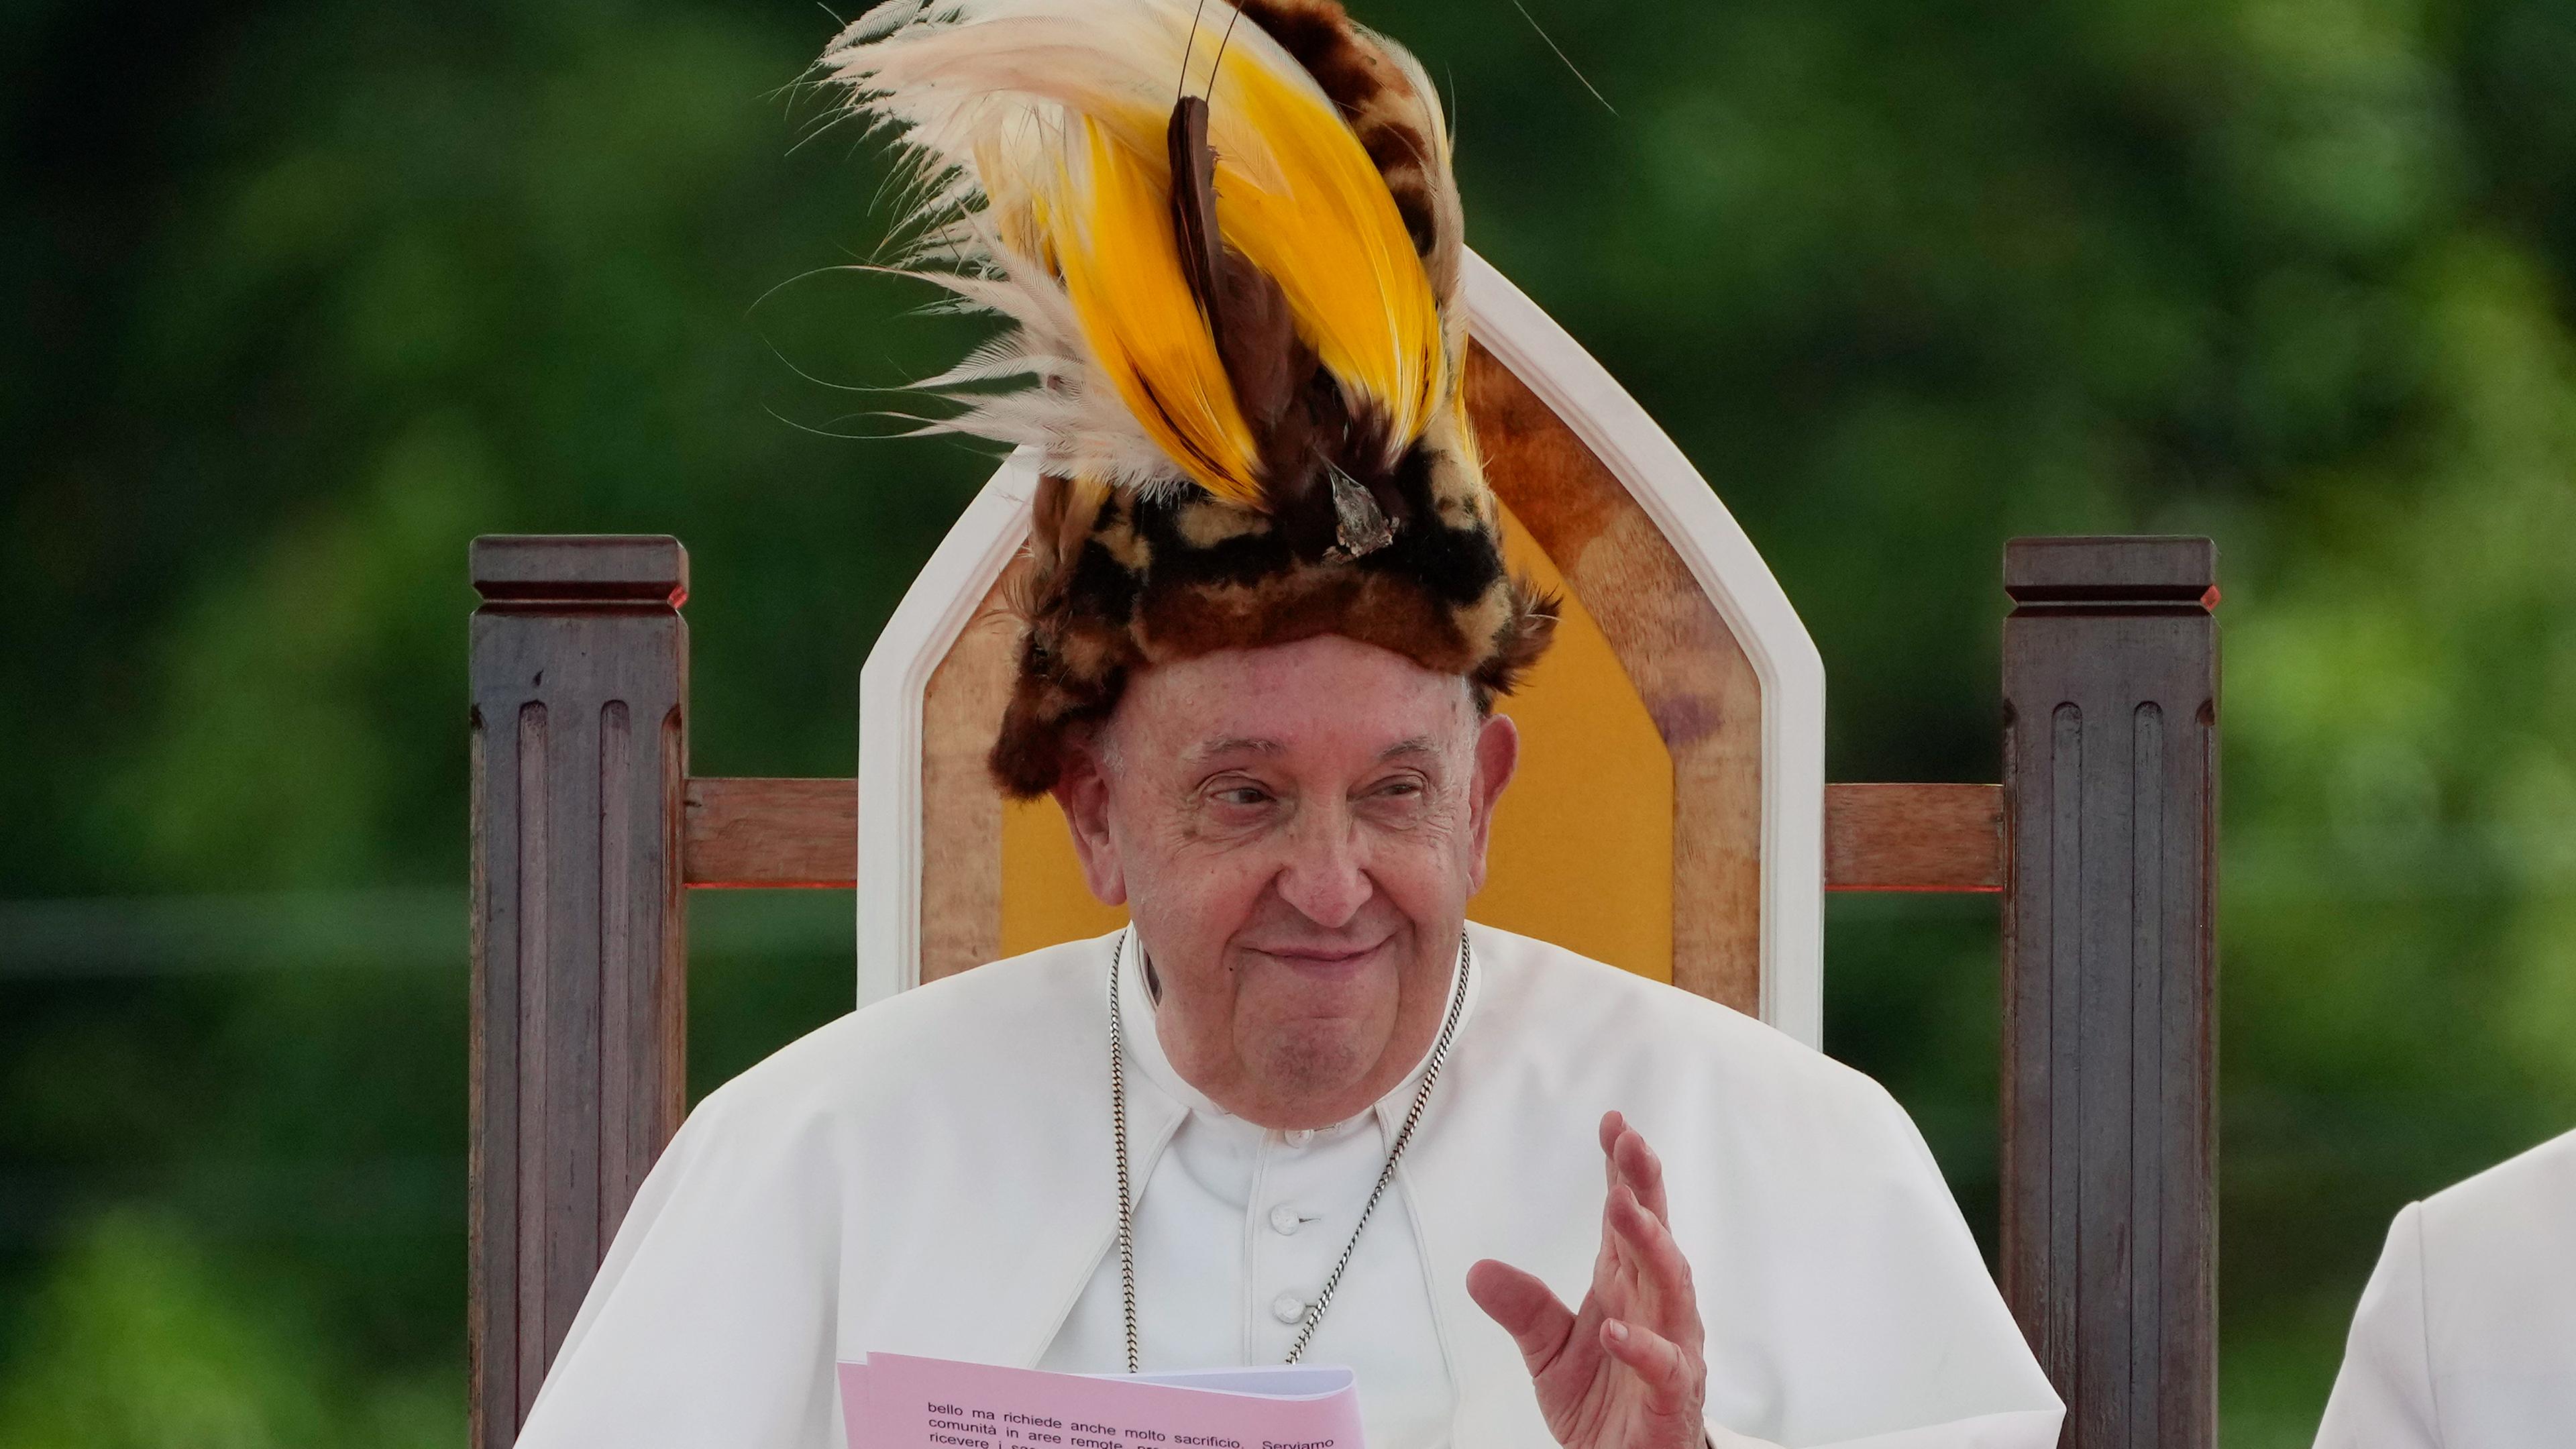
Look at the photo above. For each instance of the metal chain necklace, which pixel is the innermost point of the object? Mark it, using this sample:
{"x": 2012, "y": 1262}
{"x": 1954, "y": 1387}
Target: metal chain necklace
{"x": 1127, "y": 1198}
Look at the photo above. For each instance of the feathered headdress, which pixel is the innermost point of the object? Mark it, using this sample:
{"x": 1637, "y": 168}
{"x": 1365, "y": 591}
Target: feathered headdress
{"x": 1229, "y": 242}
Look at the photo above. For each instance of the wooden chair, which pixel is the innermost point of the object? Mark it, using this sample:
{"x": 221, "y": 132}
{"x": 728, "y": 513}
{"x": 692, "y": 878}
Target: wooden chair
{"x": 1672, "y": 817}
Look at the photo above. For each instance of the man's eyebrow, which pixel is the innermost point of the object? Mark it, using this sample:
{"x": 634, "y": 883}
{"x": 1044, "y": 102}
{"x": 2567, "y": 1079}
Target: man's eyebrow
{"x": 1231, "y": 745}
{"x": 1418, "y": 745}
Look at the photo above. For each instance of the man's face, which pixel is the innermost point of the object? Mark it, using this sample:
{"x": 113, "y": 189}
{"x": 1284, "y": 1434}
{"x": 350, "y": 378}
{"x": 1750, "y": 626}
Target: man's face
{"x": 1295, "y": 832}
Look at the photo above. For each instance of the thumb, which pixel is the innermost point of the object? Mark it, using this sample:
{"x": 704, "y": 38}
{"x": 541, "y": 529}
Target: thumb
{"x": 1537, "y": 1321}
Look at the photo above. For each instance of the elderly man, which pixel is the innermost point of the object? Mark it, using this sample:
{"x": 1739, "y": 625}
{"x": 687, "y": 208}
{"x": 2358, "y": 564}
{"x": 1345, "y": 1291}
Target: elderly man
{"x": 1300, "y": 1108}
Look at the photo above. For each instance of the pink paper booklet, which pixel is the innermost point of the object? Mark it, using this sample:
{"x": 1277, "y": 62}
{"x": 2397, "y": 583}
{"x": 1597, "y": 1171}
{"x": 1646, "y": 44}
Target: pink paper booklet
{"x": 895, "y": 1401}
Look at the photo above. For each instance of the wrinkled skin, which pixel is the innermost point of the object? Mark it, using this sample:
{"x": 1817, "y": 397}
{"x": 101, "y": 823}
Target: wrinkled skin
{"x": 1295, "y": 832}
{"x": 1625, "y": 1370}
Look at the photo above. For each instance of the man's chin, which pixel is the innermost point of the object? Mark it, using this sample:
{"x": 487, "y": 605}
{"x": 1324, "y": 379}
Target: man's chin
{"x": 1316, "y": 1067}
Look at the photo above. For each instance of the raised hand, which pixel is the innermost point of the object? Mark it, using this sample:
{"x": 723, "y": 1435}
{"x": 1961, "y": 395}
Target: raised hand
{"x": 1625, "y": 1370}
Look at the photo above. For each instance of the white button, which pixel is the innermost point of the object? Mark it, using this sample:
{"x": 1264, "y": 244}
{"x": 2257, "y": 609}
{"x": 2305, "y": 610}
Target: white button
{"x": 1288, "y": 1308}
{"x": 1299, "y": 1136}
{"x": 1284, "y": 1219}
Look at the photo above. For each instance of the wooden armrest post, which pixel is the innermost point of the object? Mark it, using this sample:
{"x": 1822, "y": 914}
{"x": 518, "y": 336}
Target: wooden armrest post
{"x": 2109, "y": 1153}
{"x": 580, "y": 677}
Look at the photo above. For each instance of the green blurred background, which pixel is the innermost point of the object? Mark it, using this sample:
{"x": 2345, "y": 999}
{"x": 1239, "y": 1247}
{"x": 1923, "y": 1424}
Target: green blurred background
{"x": 306, "y": 295}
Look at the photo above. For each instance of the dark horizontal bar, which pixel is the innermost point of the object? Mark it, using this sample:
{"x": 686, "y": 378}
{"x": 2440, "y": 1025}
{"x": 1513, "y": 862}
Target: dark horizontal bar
{"x": 2165, "y": 570}
{"x": 580, "y": 568}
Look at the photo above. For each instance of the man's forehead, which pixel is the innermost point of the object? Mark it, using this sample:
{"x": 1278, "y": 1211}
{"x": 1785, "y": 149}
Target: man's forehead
{"x": 1221, "y": 746}
{"x": 1318, "y": 699}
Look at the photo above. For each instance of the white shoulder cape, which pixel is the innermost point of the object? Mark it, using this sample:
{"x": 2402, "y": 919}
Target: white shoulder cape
{"x": 932, "y": 1175}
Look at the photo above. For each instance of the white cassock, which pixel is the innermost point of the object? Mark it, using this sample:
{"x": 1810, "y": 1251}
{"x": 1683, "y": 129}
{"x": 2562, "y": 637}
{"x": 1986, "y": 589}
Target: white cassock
{"x": 933, "y": 1175}
{"x": 2466, "y": 1334}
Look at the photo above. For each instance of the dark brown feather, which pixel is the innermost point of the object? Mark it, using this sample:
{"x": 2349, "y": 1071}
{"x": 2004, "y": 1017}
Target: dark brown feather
{"x": 1256, "y": 339}
{"x": 1194, "y": 205}
{"x": 1247, "y": 314}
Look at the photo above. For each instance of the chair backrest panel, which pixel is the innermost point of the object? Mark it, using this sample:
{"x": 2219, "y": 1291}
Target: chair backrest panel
{"x": 1674, "y": 741}
{"x": 962, "y": 867}
{"x": 1680, "y": 659}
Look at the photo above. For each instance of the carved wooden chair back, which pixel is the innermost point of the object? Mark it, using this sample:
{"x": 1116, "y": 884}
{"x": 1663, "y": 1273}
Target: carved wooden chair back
{"x": 1668, "y": 813}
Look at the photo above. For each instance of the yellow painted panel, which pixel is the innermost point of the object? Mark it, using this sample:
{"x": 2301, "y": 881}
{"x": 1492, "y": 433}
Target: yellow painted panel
{"x": 1582, "y": 853}
{"x": 1583, "y": 842}
{"x": 1043, "y": 898}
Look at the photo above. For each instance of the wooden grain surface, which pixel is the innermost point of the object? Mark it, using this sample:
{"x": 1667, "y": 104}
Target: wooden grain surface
{"x": 773, "y": 833}
{"x": 961, "y": 811}
{"x": 578, "y": 669}
{"x": 1914, "y": 837}
{"x": 2109, "y": 1242}
{"x": 1695, "y": 681}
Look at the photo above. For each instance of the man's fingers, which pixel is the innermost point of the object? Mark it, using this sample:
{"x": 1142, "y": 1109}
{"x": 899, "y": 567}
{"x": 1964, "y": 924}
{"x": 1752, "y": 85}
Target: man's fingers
{"x": 1652, "y": 1327}
{"x": 1627, "y": 1158}
{"x": 1538, "y": 1323}
{"x": 1639, "y": 1167}
{"x": 1662, "y": 1272}
{"x": 1649, "y": 1244}
{"x": 1664, "y": 1369}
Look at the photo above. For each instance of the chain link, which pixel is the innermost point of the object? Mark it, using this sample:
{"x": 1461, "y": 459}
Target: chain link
{"x": 1118, "y": 1133}
{"x": 1314, "y": 1314}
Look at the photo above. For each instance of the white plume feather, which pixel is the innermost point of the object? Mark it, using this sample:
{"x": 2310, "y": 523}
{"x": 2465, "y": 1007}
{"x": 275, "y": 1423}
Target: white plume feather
{"x": 980, "y": 95}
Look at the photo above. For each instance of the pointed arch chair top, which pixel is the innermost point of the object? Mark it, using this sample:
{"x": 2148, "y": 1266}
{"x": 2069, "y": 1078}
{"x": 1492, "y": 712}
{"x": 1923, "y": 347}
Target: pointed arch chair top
{"x": 1686, "y": 679}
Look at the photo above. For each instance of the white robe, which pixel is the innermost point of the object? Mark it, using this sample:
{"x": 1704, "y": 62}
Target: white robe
{"x": 933, "y": 1175}
{"x": 1237, "y": 1229}
{"x": 2466, "y": 1334}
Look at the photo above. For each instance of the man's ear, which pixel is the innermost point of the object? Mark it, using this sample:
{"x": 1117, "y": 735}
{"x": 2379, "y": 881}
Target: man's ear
{"x": 1082, "y": 792}
{"x": 1498, "y": 755}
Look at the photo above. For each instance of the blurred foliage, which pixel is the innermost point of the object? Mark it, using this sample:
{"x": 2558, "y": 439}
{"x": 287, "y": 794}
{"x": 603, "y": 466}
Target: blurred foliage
{"x": 142, "y": 1344}
{"x": 309, "y": 294}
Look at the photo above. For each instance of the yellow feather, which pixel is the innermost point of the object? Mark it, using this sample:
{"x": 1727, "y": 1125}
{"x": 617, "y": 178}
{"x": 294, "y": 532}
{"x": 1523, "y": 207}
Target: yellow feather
{"x": 1086, "y": 189}
{"x": 1318, "y": 218}
{"x": 1122, "y": 271}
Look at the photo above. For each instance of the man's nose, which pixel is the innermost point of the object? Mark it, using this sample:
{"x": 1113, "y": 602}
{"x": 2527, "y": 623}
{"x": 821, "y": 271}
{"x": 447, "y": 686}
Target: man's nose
{"x": 1323, "y": 877}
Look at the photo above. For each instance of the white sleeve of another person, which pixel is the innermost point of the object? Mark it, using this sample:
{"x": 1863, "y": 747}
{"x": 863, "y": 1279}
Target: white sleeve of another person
{"x": 2383, "y": 1398}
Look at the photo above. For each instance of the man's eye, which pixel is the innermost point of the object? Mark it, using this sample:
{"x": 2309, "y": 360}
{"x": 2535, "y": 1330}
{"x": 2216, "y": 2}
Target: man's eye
{"x": 1242, "y": 795}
